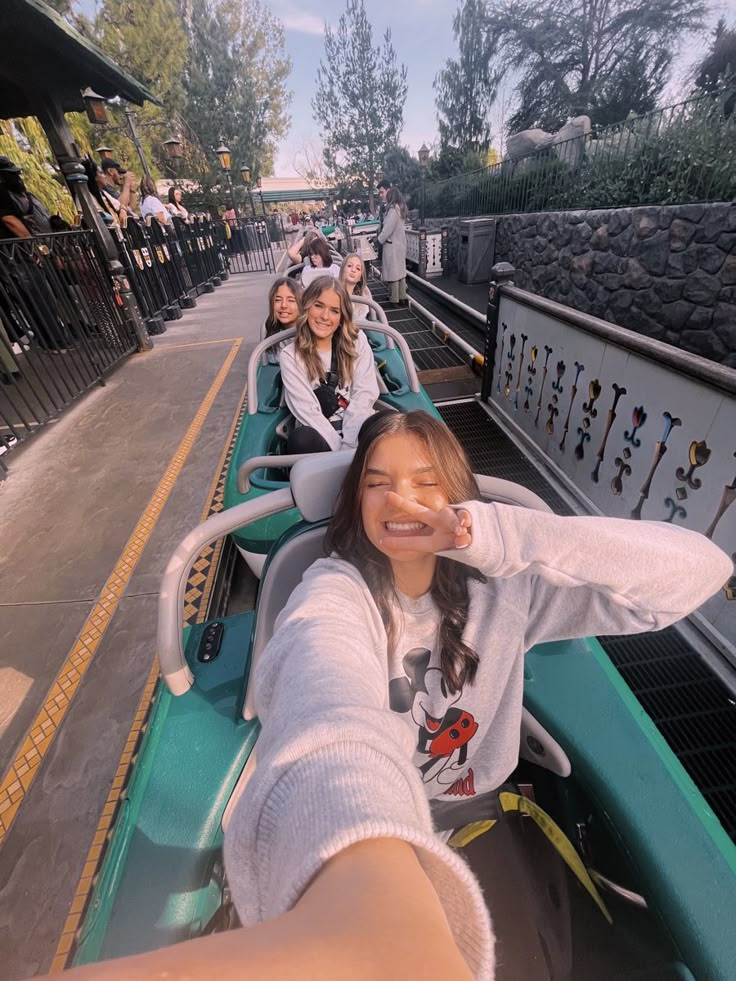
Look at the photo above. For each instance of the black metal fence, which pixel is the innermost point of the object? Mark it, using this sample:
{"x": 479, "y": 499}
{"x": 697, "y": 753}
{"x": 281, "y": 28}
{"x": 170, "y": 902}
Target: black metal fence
{"x": 248, "y": 245}
{"x": 169, "y": 266}
{"x": 683, "y": 153}
{"x": 61, "y": 329}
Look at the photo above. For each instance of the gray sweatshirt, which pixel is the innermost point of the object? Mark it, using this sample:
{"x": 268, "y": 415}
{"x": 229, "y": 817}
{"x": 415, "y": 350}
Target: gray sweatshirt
{"x": 348, "y": 726}
{"x": 361, "y": 393}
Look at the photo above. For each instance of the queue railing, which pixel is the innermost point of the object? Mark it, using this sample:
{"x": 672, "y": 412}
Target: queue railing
{"x": 170, "y": 265}
{"x": 248, "y": 245}
{"x": 61, "y": 329}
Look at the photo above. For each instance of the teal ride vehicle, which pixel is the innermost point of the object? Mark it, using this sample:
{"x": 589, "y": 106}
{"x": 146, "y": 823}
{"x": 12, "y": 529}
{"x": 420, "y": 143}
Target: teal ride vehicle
{"x": 258, "y": 463}
{"x": 624, "y": 811}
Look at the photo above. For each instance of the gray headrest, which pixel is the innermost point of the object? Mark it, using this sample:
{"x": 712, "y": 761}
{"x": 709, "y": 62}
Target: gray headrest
{"x": 316, "y": 481}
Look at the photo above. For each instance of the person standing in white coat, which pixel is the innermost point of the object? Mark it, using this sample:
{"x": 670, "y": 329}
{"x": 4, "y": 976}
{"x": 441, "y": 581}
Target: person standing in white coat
{"x": 393, "y": 239}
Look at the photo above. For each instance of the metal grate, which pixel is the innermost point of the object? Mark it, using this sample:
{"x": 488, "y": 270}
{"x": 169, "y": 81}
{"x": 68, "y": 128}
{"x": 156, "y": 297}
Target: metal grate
{"x": 690, "y": 706}
{"x": 428, "y": 351}
{"x": 491, "y": 452}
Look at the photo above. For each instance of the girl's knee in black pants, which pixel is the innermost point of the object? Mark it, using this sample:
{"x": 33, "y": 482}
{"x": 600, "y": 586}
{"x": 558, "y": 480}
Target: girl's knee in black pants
{"x": 304, "y": 439}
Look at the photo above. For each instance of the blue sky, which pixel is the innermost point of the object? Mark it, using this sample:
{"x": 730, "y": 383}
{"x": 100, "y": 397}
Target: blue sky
{"x": 422, "y": 36}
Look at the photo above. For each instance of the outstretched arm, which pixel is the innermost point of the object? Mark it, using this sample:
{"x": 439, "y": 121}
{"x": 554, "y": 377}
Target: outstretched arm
{"x": 591, "y": 575}
{"x": 370, "y": 912}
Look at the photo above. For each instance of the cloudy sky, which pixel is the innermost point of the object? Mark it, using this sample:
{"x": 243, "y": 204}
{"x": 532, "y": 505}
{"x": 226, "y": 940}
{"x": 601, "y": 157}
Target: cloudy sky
{"x": 422, "y": 37}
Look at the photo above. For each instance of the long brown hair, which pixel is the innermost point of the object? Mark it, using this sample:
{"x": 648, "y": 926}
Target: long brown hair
{"x": 346, "y": 336}
{"x": 319, "y": 247}
{"x": 273, "y": 326}
{"x": 346, "y": 537}
{"x": 361, "y": 285}
{"x": 394, "y": 198}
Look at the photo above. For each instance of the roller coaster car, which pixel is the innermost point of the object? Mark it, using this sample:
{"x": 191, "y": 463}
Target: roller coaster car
{"x": 595, "y": 759}
{"x": 258, "y": 462}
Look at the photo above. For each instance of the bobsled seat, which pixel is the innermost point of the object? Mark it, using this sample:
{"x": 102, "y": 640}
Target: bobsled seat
{"x": 315, "y": 483}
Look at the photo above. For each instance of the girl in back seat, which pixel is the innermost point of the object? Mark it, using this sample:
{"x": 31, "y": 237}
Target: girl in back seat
{"x": 354, "y": 279}
{"x": 284, "y": 307}
{"x": 328, "y": 372}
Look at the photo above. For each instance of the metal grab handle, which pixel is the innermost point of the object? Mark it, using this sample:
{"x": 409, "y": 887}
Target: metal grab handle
{"x": 169, "y": 648}
{"x": 172, "y": 662}
{"x": 285, "y": 462}
{"x": 286, "y": 335}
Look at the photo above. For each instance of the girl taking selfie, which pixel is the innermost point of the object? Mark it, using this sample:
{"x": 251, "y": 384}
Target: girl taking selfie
{"x": 420, "y": 616}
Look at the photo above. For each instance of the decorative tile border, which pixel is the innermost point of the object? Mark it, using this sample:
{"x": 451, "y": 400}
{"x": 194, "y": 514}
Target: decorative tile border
{"x": 26, "y": 764}
{"x": 206, "y": 568}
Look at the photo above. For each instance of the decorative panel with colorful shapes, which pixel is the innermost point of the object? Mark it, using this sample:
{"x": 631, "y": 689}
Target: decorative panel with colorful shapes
{"x": 635, "y": 438}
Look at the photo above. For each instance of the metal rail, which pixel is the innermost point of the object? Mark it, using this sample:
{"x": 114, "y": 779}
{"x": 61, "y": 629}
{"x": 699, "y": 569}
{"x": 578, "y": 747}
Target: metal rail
{"x": 448, "y": 298}
{"x": 449, "y": 335}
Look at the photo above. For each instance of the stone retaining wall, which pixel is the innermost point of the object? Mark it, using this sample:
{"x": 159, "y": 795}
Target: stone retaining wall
{"x": 667, "y": 272}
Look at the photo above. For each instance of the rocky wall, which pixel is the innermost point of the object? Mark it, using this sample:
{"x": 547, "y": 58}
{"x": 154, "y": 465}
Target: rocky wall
{"x": 667, "y": 272}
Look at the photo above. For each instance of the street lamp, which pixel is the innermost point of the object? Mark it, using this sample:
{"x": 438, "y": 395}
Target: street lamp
{"x": 173, "y": 149}
{"x": 423, "y": 155}
{"x": 245, "y": 174}
{"x": 94, "y": 105}
{"x": 223, "y": 154}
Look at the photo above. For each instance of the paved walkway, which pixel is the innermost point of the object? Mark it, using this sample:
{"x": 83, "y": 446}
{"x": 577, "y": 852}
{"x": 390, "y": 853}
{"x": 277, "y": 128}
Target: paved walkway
{"x": 92, "y": 510}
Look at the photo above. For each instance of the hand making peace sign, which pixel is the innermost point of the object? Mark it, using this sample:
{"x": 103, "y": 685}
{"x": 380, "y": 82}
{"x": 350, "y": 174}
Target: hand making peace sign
{"x": 449, "y": 528}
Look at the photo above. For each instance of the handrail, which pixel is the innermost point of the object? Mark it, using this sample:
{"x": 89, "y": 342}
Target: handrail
{"x": 170, "y": 650}
{"x": 286, "y": 335}
{"x": 254, "y": 463}
{"x": 475, "y": 356}
{"x": 169, "y": 647}
{"x": 469, "y": 312}
{"x": 691, "y": 365}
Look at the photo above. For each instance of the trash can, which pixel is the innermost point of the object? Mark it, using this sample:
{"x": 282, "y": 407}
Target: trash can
{"x": 477, "y": 249}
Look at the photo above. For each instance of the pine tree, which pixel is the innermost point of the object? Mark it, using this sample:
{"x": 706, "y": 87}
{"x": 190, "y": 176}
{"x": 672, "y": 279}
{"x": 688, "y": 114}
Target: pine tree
{"x": 466, "y": 88}
{"x": 601, "y": 58}
{"x": 359, "y": 102}
{"x": 147, "y": 39}
{"x": 235, "y": 81}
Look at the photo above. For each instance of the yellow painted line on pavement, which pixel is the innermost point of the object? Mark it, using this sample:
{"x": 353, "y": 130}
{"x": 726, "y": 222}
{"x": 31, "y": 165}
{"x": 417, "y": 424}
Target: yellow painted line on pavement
{"x": 95, "y": 855}
{"x": 26, "y": 764}
{"x": 178, "y": 347}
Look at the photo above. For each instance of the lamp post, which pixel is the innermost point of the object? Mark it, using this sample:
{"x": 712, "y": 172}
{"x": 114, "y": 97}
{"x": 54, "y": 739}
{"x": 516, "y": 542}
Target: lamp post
{"x": 245, "y": 174}
{"x": 223, "y": 154}
{"x": 423, "y": 155}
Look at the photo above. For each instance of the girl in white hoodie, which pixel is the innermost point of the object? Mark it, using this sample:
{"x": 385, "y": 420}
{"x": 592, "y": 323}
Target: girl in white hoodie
{"x": 390, "y": 694}
{"x": 328, "y": 372}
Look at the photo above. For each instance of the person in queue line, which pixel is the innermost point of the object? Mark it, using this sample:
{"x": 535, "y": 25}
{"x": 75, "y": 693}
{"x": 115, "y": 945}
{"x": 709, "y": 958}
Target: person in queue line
{"x": 174, "y": 205}
{"x": 120, "y": 186}
{"x": 328, "y": 372}
{"x": 319, "y": 261}
{"x": 393, "y": 239}
{"x": 284, "y": 307}
{"x": 151, "y": 205}
{"x": 353, "y": 277}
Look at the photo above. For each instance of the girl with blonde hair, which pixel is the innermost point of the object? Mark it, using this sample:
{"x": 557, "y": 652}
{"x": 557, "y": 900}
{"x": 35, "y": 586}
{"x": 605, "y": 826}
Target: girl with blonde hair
{"x": 328, "y": 372}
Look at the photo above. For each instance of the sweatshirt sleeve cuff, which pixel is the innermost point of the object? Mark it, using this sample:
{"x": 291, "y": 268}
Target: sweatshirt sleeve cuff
{"x": 280, "y": 836}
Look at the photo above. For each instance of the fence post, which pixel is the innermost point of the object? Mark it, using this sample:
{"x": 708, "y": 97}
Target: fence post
{"x": 422, "y": 270}
{"x": 501, "y": 274}
{"x": 67, "y": 153}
